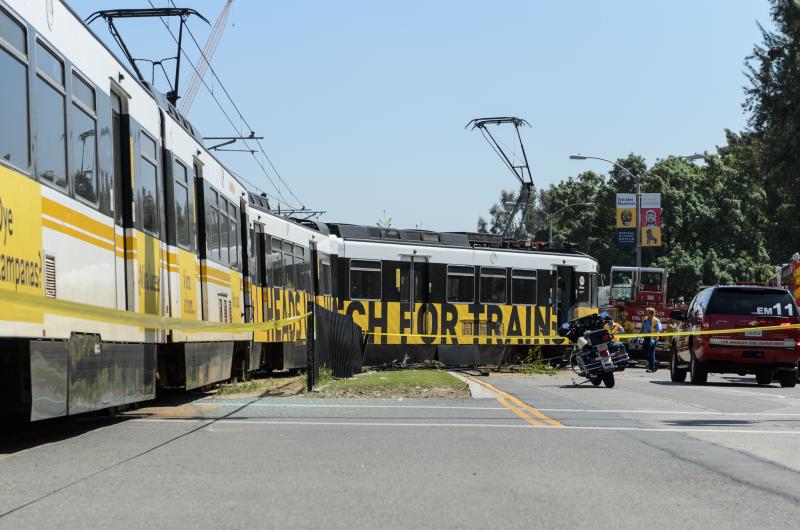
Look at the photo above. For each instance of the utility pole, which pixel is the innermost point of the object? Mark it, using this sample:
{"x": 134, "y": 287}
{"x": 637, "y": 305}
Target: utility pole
{"x": 638, "y": 222}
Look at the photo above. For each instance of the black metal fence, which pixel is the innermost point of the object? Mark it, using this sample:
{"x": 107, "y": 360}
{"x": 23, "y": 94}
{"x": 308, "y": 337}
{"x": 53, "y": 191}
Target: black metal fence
{"x": 335, "y": 344}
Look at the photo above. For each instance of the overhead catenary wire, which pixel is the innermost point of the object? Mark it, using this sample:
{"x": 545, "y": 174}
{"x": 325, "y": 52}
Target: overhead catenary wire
{"x": 236, "y": 107}
{"x": 231, "y": 122}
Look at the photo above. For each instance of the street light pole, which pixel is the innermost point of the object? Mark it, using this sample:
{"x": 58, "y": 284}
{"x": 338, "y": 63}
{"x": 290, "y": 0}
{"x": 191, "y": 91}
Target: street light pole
{"x": 637, "y": 179}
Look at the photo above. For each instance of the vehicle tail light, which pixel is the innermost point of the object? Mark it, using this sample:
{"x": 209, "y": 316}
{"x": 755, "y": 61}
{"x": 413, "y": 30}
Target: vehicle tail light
{"x": 706, "y": 323}
{"x": 603, "y": 353}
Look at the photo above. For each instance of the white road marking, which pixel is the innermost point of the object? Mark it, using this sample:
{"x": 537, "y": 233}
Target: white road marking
{"x": 345, "y": 406}
{"x": 473, "y": 425}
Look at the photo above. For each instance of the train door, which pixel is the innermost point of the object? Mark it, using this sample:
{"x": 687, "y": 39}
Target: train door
{"x": 200, "y": 223}
{"x": 565, "y": 292}
{"x": 415, "y": 290}
{"x": 248, "y": 260}
{"x": 123, "y": 199}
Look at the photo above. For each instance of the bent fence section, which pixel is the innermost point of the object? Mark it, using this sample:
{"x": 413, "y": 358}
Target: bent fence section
{"x": 338, "y": 345}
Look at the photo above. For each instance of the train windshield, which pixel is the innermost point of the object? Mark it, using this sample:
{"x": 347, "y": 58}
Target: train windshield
{"x": 621, "y": 285}
{"x": 651, "y": 281}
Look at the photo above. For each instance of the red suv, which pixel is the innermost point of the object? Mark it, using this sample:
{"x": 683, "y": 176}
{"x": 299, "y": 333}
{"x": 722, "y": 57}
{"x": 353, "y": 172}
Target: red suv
{"x": 763, "y": 353}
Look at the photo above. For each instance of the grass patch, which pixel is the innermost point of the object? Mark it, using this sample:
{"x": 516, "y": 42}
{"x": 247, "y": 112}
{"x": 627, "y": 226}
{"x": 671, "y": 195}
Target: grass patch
{"x": 398, "y": 383}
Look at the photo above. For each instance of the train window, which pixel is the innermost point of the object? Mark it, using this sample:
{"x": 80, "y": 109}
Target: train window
{"x": 277, "y": 264}
{"x": 83, "y": 140}
{"x": 224, "y": 232}
{"x": 50, "y": 134}
{"x": 460, "y": 284}
{"x": 325, "y": 278}
{"x": 234, "y": 236}
{"x": 288, "y": 265}
{"x": 212, "y": 227}
{"x": 83, "y": 92}
{"x": 181, "y": 178}
{"x": 148, "y": 146}
{"x": 49, "y": 64}
{"x": 12, "y": 32}
{"x": 523, "y": 287}
{"x": 430, "y": 237}
{"x": 14, "y": 133}
{"x": 300, "y": 267}
{"x": 365, "y": 280}
{"x": 493, "y": 285}
{"x": 82, "y": 162}
{"x": 148, "y": 184}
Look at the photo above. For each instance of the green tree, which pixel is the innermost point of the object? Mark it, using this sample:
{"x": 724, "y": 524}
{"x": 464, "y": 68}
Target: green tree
{"x": 384, "y": 222}
{"x": 773, "y": 100}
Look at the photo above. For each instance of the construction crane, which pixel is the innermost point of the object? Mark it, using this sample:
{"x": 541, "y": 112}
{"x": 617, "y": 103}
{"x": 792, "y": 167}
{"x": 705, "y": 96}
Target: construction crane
{"x": 208, "y": 53}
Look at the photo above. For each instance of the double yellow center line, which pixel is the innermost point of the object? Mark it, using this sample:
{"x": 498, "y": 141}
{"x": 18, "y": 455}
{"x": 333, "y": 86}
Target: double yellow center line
{"x": 520, "y": 408}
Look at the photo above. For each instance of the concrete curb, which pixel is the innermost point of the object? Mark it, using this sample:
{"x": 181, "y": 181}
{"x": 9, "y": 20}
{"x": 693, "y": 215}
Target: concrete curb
{"x": 476, "y": 391}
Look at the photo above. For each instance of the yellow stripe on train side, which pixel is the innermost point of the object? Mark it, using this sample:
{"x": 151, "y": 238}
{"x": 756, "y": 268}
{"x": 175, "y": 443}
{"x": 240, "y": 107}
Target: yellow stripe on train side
{"x": 69, "y": 216}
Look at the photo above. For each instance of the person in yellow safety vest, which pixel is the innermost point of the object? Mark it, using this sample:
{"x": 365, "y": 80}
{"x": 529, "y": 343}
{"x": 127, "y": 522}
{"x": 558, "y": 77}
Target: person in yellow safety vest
{"x": 651, "y": 325}
{"x": 613, "y": 329}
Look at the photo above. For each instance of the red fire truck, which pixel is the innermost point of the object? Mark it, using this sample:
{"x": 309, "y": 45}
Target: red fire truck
{"x": 788, "y": 277}
{"x": 632, "y": 290}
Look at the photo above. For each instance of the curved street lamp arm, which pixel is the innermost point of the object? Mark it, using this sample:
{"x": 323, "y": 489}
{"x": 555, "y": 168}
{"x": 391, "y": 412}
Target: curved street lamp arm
{"x": 615, "y": 164}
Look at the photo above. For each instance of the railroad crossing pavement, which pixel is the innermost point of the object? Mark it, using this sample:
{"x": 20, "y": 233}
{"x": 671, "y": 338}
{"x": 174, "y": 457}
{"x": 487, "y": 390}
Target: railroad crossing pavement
{"x": 644, "y": 453}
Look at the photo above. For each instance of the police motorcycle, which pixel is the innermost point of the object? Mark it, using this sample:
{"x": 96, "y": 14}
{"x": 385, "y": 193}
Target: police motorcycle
{"x": 595, "y": 356}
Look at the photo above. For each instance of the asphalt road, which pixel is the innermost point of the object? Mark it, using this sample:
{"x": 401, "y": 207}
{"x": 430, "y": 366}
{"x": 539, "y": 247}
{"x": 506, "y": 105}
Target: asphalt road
{"x": 545, "y": 454}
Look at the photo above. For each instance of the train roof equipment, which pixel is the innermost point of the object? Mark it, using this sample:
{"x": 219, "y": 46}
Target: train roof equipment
{"x": 521, "y": 169}
{"x": 181, "y": 12}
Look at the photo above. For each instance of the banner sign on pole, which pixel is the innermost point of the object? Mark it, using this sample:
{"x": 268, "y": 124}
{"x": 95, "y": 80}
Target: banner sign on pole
{"x": 626, "y": 237}
{"x": 626, "y": 210}
{"x": 651, "y": 219}
{"x": 626, "y": 219}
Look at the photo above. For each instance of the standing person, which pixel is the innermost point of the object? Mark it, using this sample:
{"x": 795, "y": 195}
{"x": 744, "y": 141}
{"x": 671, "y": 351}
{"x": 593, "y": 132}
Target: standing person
{"x": 613, "y": 329}
{"x": 651, "y": 326}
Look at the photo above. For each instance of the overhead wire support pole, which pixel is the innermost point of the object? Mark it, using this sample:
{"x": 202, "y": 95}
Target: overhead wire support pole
{"x": 231, "y": 139}
{"x": 239, "y": 113}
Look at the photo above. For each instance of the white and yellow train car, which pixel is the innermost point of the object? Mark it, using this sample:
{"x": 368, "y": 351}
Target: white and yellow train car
{"x": 425, "y": 295}
{"x": 105, "y": 194}
{"x": 281, "y": 284}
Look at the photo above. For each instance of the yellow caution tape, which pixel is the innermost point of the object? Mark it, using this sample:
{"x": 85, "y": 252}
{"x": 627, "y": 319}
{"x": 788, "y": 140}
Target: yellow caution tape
{"x": 706, "y": 331}
{"x": 129, "y": 318}
{"x": 155, "y": 322}
{"x": 620, "y": 336}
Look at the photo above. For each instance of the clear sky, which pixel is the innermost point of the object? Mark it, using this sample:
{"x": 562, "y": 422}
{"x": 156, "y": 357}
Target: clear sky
{"x": 363, "y": 103}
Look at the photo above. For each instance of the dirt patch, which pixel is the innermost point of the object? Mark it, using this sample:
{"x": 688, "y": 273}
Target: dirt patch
{"x": 187, "y": 410}
{"x": 267, "y": 387}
